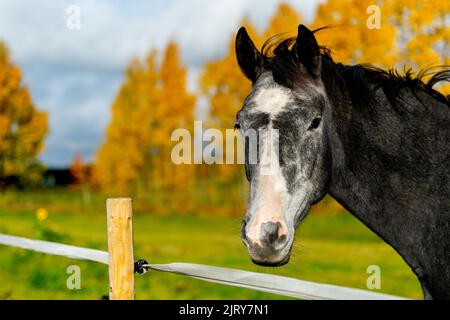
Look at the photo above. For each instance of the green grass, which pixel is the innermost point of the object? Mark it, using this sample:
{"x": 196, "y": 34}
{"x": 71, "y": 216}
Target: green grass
{"x": 335, "y": 249}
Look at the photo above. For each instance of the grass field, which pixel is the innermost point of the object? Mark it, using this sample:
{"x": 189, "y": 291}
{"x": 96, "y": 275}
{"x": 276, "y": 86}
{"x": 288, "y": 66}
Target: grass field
{"x": 329, "y": 248}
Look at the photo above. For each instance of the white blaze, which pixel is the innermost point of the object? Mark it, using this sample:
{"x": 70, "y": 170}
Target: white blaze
{"x": 271, "y": 190}
{"x": 272, "y": 100}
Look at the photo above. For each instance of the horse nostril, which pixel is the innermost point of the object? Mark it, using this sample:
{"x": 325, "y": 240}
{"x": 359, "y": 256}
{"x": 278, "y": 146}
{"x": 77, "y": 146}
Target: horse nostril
{"x": 270, "y": 233}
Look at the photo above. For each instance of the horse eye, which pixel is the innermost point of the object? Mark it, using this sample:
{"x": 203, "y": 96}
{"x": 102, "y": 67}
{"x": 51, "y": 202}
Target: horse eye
{"x": 315, "y": 123}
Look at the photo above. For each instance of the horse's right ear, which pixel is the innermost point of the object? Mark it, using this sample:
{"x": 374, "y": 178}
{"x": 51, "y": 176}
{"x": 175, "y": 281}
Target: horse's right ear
{"x": 249, "y": 58}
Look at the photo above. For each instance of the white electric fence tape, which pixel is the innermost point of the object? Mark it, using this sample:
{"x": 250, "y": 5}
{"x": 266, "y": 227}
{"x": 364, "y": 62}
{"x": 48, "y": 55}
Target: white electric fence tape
{"x": 257, "y": 281}
{"x": 55, "y": 248}
{"x": 270, "y": 283}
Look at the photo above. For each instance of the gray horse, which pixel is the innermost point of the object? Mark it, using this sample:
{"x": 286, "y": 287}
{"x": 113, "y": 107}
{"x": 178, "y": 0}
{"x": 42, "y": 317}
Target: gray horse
{"x": 377, "y": 142}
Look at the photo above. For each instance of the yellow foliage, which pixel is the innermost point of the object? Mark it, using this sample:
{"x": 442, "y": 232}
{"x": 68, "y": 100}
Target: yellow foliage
{"x": 22, "y": 126}
{"x": 284, "y": 21}
{"x": 350, "y": 39}
{"x": 445, "y": 89}
{"x": 152, "y": 102}
{"x": 423, "y": 32}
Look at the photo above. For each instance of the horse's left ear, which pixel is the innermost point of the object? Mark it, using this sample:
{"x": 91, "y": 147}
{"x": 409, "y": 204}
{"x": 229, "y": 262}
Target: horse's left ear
{"x": 308, "y": 51}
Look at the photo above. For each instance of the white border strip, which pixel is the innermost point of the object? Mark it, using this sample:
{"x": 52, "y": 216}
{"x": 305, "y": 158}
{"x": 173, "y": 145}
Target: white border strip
{"x": 239, "y": 278}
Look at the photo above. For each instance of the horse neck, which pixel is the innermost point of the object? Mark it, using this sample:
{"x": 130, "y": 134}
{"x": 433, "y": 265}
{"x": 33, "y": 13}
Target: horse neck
{"x": 381, "y": 176}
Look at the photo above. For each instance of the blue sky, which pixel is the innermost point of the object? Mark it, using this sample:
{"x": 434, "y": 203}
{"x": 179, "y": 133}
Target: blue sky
{"x": 75, "y": 74}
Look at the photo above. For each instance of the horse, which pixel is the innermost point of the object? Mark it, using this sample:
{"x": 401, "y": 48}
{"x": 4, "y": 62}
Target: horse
{"x": 374, "y": 140}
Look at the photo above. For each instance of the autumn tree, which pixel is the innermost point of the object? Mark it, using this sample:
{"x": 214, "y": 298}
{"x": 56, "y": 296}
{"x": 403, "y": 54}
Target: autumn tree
{"x": 81, "y": 176}
{"x": 175, "y": 111}
{"x": 22, "y": 126}
{"x": 355, "y": 36}
{"x": 121, "y": 159}
{"x": 284, "y": 22}
{"x": 409, "y": 33}
{"x": 423, "y": 32}
{"x": 153, "y": 101}
{"x": 79, "y": 170}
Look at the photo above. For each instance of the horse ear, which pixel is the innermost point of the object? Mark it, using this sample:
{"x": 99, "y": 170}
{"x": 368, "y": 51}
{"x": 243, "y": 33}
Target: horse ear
{"x": 249, "y": 58}
{"x": 307, "y": 50}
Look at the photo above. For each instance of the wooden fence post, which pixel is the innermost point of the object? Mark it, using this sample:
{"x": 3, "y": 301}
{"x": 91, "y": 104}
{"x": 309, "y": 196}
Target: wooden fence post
{"x": 120, "y": 249}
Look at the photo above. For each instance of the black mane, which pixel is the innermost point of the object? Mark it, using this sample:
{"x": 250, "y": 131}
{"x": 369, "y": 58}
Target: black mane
{"x": 360, "y": 81}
